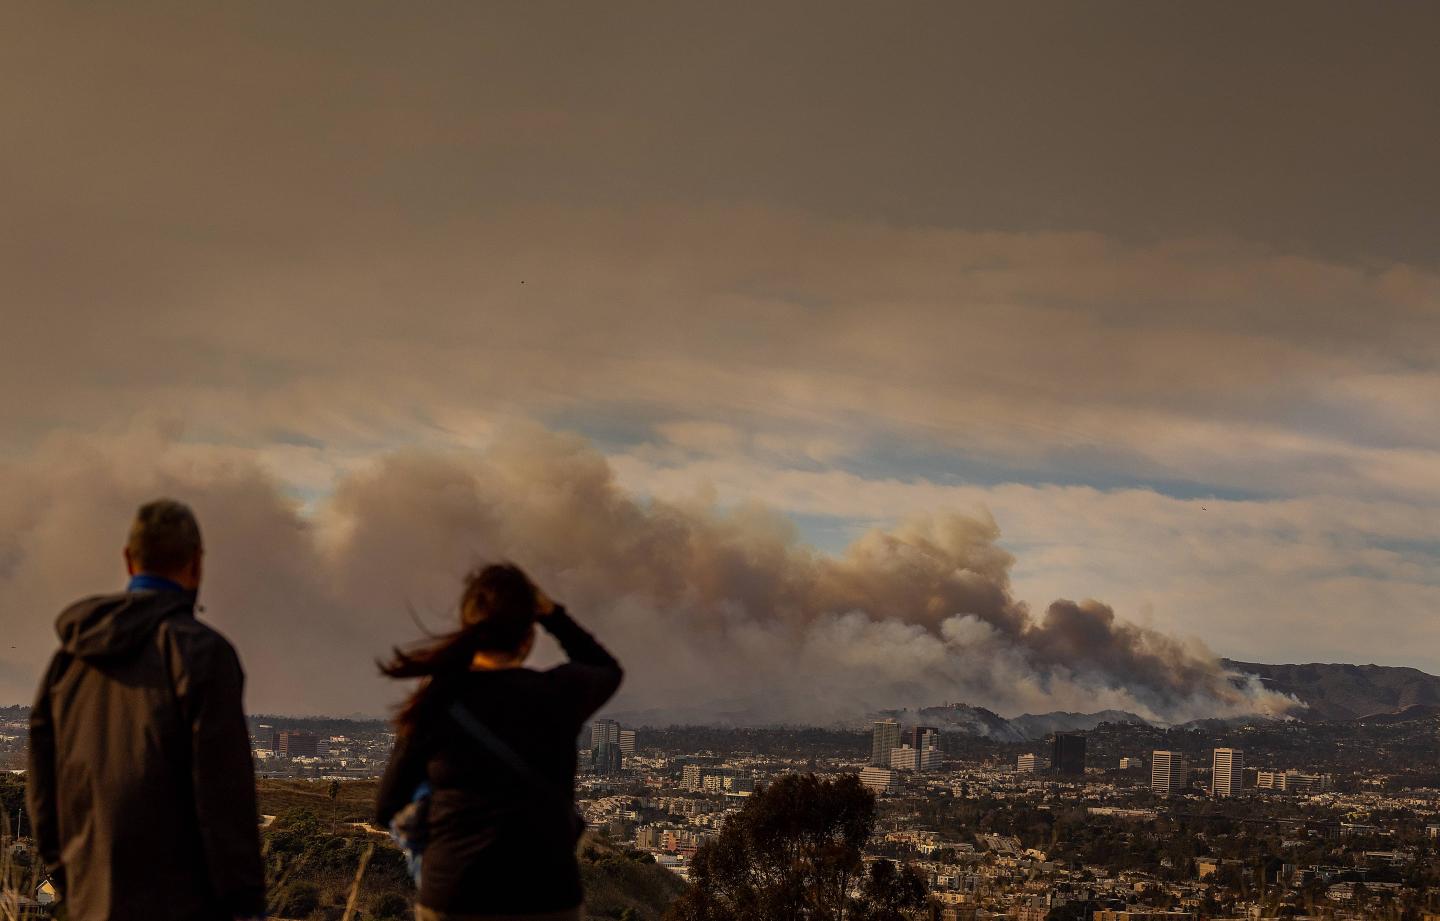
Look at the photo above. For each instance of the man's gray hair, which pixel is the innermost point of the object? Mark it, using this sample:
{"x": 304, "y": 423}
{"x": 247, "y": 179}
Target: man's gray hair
{"x": 164, "y": 538}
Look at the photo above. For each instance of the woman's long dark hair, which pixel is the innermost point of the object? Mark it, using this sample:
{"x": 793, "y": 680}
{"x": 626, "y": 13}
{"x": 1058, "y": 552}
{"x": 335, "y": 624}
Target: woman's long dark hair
{"x": 497, "y": 614}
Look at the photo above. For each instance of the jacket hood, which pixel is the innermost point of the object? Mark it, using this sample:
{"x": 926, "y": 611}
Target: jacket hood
{"x": 115, "y": 626}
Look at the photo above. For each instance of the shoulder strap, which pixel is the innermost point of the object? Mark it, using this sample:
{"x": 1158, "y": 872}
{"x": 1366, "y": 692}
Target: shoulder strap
{"x": 503, "y": 752}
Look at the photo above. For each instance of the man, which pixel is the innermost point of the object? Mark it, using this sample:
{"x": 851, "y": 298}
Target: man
{"x": 141, "y": 786}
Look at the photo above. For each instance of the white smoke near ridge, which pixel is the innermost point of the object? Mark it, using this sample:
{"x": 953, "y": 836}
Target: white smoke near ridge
{"x": 719, "y": 615}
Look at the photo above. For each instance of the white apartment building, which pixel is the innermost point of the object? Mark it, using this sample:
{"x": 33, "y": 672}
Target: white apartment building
{"x": 1227, "y": 774}
{"x": 1293, "y": 781}
{"x": 1169, "y": 772}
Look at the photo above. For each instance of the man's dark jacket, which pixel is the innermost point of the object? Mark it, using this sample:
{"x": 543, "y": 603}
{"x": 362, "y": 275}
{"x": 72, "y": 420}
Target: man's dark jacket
{"x": 141, "y": 785}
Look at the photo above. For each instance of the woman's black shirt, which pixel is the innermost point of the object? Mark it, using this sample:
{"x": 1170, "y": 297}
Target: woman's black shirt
{"x": 498, "y": 845}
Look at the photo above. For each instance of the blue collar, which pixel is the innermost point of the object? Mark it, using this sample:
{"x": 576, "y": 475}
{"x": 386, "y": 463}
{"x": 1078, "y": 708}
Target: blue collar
{"x": 144, "y": 582}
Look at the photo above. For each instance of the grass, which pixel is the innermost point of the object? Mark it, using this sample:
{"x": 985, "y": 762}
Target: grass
{"x": 354, "y": 800}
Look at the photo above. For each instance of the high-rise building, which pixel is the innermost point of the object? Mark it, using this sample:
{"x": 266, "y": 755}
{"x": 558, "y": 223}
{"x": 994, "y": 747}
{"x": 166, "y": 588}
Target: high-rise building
{"x": 604, "y": 731}
{"x": 1169, "y": 772}
{"x": 1027, "y": 764}
{"x": 924, "y": 737}
{"x": 1130, "y": 764}
{"x": 627, "y": 742}
{"x": 267, "y": 738}
{"x": 1068, "y": 754}
{"x": 908, "y": 758}
{"x": 1227, "y": 774}
{"x": 885, "y": 740}
{"x": 605, "y": 744}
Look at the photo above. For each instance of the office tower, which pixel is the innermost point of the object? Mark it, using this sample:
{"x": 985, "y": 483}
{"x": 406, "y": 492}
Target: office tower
{"x": 1068, "y": 754}
{"x": 605, "y": 743}
{"x": 923, "y": 737}
{"x": 1127, "y": 764}
{"x": 604, "y": 731}
{"x": 608, "y": 759}
{"x": 1027, "y": 764}
{"x": 627, "y": 742}
{"x": 296, "y": 744}
{"x": 1169, "y": 772}
{"x": 267, "y": 738}
{"x": 1227, "y": 775}
{"x": 886, "y": 739}
{"x": 908, "y": 758}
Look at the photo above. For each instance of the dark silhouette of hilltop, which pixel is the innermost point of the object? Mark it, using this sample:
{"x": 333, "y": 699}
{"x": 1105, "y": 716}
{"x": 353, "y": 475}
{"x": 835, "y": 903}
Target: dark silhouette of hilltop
{"x": 987, "y": 724}
{"x": 1347, "y": 692}
{"x": 1328, "y": 691}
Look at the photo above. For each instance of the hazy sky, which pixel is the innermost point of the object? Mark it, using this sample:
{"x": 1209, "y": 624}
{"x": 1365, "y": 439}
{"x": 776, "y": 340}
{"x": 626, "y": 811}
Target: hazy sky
{"x": 1153, "y": 288}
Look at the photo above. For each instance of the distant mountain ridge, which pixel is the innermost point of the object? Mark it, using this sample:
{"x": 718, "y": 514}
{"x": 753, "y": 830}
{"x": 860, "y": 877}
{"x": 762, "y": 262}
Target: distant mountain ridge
{"x": 1332, "y": 691}
{"x": 1327, "y": 691}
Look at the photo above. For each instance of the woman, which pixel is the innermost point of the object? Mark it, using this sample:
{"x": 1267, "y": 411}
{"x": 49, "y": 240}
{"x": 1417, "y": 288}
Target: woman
{"x": 502, "y": 823}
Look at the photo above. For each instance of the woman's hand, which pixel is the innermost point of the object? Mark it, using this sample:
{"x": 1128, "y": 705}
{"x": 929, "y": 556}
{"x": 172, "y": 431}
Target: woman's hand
{"x": 544, "y": 607}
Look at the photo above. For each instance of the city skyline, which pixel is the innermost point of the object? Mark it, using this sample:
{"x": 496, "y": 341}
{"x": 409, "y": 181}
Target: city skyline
{"x": 1358, "y": 831}
{"x": 1032, "y": 357}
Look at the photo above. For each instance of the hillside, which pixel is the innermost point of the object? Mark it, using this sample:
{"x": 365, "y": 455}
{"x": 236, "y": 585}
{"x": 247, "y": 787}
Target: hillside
{"x": 313, "y": 849}
{"x": 624, "y": 883}
{"x": 1327, "y": 691}
{"x": 986, "y": 724}
{"x": 1347, "y": 692}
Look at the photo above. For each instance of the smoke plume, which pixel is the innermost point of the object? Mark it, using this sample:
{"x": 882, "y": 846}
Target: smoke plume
{"x": 718, "y": 614}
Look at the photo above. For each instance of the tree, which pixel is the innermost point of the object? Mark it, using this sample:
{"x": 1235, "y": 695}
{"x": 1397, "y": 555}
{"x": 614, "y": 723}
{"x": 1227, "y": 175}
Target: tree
{"x": 1074, "y": 910}
{"x": 889, "y": 893}
{"x": 792, "y": 853}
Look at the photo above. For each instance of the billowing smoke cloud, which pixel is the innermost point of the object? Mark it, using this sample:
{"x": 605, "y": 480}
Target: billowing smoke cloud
{"x": 718, "y": 614}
